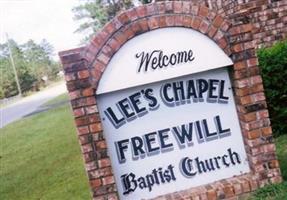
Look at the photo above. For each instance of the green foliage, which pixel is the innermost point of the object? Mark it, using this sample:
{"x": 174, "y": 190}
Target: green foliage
{"x": 39, "y": 58}
{"x": 40, "y": 158}
{"x": 273, "y": 62}
{"x": 32, "y": 62}
{"x": 94, "y": 14}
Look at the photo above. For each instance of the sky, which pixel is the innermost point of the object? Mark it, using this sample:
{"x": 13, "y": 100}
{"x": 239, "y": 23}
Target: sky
{"x": 40, "y": 19}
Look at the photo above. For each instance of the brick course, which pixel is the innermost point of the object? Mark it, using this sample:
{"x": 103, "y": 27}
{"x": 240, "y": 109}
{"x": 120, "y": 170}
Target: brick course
{"x": 238, "y": 28}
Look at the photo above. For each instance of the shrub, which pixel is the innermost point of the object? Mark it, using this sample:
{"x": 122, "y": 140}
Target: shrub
{"x": 273, "y": 63}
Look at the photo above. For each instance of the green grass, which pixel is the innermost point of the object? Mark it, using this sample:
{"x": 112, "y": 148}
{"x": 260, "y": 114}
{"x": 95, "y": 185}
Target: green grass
{"x": 281, "y": 146}
{"x": 40, "y": 158}
{"x": 276, "y": 191}
{"x": 61, "y": 98}
{"x": 271, "y": 192}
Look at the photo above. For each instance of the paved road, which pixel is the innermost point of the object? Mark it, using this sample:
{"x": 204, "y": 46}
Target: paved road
{"x": 29, "y": 104}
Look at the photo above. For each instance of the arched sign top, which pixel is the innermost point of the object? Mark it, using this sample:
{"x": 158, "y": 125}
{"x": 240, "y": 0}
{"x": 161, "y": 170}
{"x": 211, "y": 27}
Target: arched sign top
{"x": 160, "y": 55}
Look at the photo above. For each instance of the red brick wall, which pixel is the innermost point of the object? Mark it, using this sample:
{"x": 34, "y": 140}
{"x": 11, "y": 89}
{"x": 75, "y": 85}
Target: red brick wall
{"x": 84, "y": 67}
{"x": 269, "y": 17}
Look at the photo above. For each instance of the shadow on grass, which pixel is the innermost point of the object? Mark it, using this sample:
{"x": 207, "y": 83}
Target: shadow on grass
{"x": 57, "y": 102}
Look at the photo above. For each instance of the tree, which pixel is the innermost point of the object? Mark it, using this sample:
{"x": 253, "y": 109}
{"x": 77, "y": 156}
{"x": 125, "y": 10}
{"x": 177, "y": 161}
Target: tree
{"x": 32, "y": 61}
{"x": 7, "y": 81}
{"x": 38, "y": 57}
{"x": 94, "y": 14}
{"x": 24, "y": 71}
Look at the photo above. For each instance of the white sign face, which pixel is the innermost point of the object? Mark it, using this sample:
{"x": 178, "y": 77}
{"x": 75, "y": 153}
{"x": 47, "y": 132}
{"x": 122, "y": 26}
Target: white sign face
{"x": 159, "y": 55}
{"x": 172, "y": 135}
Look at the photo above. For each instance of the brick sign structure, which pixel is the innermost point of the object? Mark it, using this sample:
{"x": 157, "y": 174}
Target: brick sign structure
{"x": 169, "y": 104}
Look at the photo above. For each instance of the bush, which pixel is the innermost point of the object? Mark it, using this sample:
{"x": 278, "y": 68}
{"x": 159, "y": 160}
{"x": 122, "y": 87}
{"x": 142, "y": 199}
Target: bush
{"x": 273, "y": 63}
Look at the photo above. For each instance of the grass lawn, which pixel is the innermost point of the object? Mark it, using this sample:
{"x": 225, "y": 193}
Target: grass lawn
{"x": 40, "y": 158}
{"x": 58, "y": 99}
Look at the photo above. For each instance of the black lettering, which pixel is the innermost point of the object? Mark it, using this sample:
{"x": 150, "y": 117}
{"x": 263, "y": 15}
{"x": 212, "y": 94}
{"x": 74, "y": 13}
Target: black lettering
{"x": 150, "y": 139}
{"x": 129, "y": 183}
{"x": 117, "y": 122}
{"x": 216, "y": 161}
{"x": 187, "y": 168}
{"x": 199, "y": 133}
{"x": 142, "y": 183}
{"x": 224, "y": 160}
{"x": 121, "y": 147}
{"x": 167, "y": 176}
{"x": 183, "y": 134}
{"x": 202, "y": 86}
{"x": 222, "y": 98}
{"x": 145, "y": 59}
{"x": 163, "y": 136}
{"x": 125, "y": 106}
{"x": 182, "y": 57}
{"x": 208, "y": 135}
{"x": 178, "y": 91}
{"x": 168, "y": 100}
{"x": 212, "y": 88}
{"x": 156, "y": 59}
{"x": 200, "y": 165}
{"x": 172, "y": 59}
{"x": 209, "y": 165}
{"x": 150, "y": 181}
{"x": 154, "y": 63}
{"x": 148, "y": 94}
{"x": 160, "y": 62}
{"x": 221, "y": 132}
{"x": 134, "y": 98}
{"x": 137, "y": 146}
{"x": 231, "y": 155}
{"x": 191, "y": 91}
{"x": 170, "y": 168}
{"x": 154, "y": 172}
{"x": 190, "y": 55}
{"x": 161, "y": 175}
{"x": 165, "y": 60}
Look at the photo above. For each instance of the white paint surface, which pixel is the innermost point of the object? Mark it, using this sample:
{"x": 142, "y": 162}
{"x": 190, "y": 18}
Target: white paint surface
{"x": 167, "y": 117}
{"x": 121, "y": 71}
